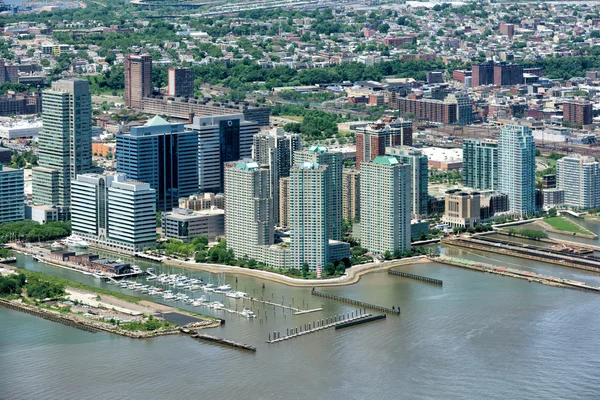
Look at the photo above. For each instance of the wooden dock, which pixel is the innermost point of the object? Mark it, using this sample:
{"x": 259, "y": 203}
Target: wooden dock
{"x": 315, "y": 326}
{"x": 360, "y": 321}
{"x": 393, "y": 310}
{"x": 417, "y": 277}
{"x": 226, "y": 342}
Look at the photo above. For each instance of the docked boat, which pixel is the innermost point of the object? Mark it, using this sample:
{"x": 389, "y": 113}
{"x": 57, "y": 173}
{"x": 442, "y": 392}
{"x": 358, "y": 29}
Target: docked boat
{"x": 224, "y": 287}
{"x": 76, "y": 241}
{"x": 234, "y": 295}
{"x": 216, "y": 305}
{"x": 246, "y": 312}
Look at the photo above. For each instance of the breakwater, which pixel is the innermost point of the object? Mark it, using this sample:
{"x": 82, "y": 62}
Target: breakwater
{"x": 362, "y": 304}
{"x": 225, "y": 342}
{"x": 417, "y": 277}
{"x": 515, "y": 273}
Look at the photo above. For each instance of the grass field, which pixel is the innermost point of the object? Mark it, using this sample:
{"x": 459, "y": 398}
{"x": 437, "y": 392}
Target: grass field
{"x": 563, "y": 224}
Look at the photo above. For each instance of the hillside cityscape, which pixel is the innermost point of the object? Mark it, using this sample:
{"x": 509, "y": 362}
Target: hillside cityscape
{"x": 355, "y": 158}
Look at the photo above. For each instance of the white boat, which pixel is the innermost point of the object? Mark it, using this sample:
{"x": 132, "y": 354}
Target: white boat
{"x": 234, "y": 295}
{"x": 196, "y": 303}
{"x": 76, "y": 241}
{"x": 216, "y": 305}
{"x": 246, "y": 312}
{"x": 225, "y": 287}
{"x": 136, "y": 270}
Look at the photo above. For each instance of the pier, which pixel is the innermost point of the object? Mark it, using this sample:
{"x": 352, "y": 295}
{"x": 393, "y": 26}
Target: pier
{"x": 516, "y": 273}
{"x": 417, "y": 277}
{"x": 344, "y": 320}
{"x": 362, "y": 304}
{"x": 149, "y": 257}
{"x": 360, "y": 321}
{"x": 225, "y": 342}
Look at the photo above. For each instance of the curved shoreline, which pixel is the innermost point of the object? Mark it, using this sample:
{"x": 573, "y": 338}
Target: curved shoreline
{"x": 352, "y": 276}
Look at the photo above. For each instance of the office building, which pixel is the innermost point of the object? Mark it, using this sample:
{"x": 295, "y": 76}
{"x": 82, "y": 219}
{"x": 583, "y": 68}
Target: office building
{"x": 579, "y": 177}
{"x": 429, "y": 110}
{"x": 516, "y": 167}
{"x": 371, "y": 140}
{"x": 434, "y": 77}
{"x": 333, "y": 161}
{"x": 419, "y": 172}
{"x": 480, "y": 164}
{"x": 221, "y": 139}
{"x": 12, "y": 195}
{"x": 386, "y": 202}
{"x": 162, "y": 154}
{"x": 114, "y": 213}
{"x": 284, "y": 202}
{"x": 138, "y": 78}
{"x": 483, "y": 74}
{"x": 464, "y": 107}
{"x": 462, "y": 209}
{"x": 181, "y": 82}
{"x": 203, "y": 201}
{"x": 350, "y": 194}
{"x": 248, "y": 209}
{"x": 275, "y": 149}
{"x": 577, "y": 112}
{"x": 65, "y": 143}
{"x": 185, "y": 225}
{"x": 309, "y": 215}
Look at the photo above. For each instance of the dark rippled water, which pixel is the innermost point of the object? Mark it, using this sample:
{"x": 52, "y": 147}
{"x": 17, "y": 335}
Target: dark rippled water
{"x": 481, "y": 336}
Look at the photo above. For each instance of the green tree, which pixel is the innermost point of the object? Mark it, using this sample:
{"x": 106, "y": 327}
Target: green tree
{"x": 305, "y": 270}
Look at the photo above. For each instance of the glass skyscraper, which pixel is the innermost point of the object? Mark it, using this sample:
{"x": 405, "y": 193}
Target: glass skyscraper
{"x": 480, "y": 164}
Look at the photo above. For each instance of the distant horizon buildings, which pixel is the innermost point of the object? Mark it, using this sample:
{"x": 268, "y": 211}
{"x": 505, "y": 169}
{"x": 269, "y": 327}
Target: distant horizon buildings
{"x": 180, "y": 82}
{"x": 516, "y": 167}
{"x": 385, "y": 200}
{"x": 498, "y": 74}
{"x": 579, "y": 178}
{"x": 65, "y": 143}
{"x": 162, "y": 154}
{"x": 138, "y": 78}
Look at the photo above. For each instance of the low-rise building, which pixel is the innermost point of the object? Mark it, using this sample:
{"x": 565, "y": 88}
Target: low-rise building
{"x": 462, "y": 209}
{"x": 185, "y": 224}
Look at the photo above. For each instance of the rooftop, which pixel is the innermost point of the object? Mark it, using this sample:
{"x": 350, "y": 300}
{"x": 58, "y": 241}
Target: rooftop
{"x": 385, "y": 160}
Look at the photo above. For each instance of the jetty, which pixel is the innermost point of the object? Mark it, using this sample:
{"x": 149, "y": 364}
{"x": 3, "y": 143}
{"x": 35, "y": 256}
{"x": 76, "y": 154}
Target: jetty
{"x": 344, "y": 320}
{"x": 225, "y": 342}
{"x": 149, "y": 257}
{"x": 516, "y": 273}
{"x": 417, "y": 277}
{"x": 360, "y": 321}
{"x": 362, "y": 304}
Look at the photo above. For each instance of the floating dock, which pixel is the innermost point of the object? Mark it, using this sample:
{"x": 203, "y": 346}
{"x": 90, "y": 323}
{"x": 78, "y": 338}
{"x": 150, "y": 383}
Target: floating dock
{"x": 225, "y": 342}
{"x": 362, "y": 304}
{"x": 354, "y": 317}
{"x": 417, "y": 277}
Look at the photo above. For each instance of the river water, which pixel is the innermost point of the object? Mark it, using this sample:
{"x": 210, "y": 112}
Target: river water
{"x": 478, "y": 336}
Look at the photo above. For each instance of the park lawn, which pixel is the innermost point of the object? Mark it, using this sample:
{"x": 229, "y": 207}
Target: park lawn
{"x": 563, "y": 224}
{"x": 297, "y": 118}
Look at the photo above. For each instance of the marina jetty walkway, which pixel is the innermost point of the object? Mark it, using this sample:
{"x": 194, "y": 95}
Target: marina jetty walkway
{"x": 225, "y": 342}
{"x": 417, "y": 277}
{"x": 351, "y": 276}
{"x": 343, "y": 321}
{"x": 515, "y": 273}
{"x": 362, "y": 304}
{"x": 526, "y": 251}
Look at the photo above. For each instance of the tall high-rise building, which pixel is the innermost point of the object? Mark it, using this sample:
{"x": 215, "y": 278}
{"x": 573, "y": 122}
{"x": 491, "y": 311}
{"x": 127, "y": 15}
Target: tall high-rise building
{"x": 483, "y": 74}
{"x": 65, "y": 143}
{"x": 12, "y": 194}
{"x": 333, "y": 161}
{"x": 506, "y": 74}
{"x": 309, "y": 214}
{"x": 138, "y": 78}
{"x": 114, "y": 213}
{"x": 181, "y": 82}
{"x": 385, "y": 203}
{"x": 275, "y": 149}
{"x": 579, "y": 177}
{"x": 284, "y": 202}
{"x": 372, "y": 140}
{"x": 578, "y": 112}
{"x": 350, "y": 194}
{"x": 162, "y": 154}
{"x": 419, "y": 172}
{"x": 221, "y": 139}
{"x": 480, "y": 164}
{"x": 516, "y": 167}
{"x": 248, "y": 209}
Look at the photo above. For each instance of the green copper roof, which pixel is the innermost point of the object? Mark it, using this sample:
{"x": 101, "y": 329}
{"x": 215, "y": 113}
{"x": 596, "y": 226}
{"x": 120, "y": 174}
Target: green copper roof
{"x": 318, "y": 149}
{"x": 247, "y": 166}
{"x": 385, "y": 160}
{"x": 157, "y": 121}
